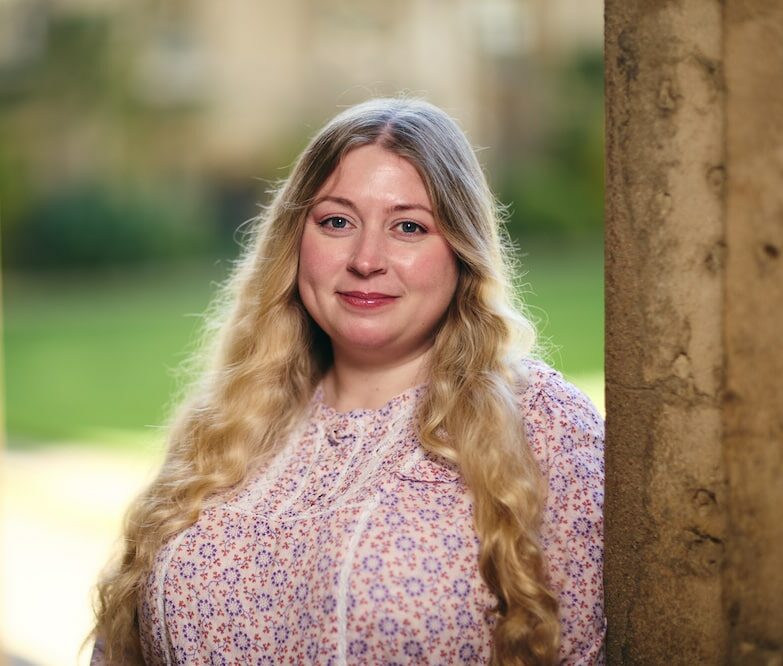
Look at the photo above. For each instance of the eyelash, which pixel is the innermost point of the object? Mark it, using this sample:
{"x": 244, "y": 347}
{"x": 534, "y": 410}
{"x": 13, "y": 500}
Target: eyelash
{"x": 325, "y": 222}
{"x": 419, "y": 229}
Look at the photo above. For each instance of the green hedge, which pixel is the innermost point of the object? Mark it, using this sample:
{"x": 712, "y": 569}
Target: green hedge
{"x": 92, "y": 226}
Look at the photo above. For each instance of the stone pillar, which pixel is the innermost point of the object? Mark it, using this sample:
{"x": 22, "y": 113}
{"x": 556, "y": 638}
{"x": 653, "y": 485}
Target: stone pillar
{"x": 753, "y": 329}
{"x": 694, "y": 310}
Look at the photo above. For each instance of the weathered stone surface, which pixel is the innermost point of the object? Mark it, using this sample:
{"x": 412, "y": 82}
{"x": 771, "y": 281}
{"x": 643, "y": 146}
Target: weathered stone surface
{"x": 694, "y": 307}
{"x": 753, "y": 325}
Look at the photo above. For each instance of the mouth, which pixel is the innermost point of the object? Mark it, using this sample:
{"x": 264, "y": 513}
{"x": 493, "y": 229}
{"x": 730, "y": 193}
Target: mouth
{"x": 362, "y": 299}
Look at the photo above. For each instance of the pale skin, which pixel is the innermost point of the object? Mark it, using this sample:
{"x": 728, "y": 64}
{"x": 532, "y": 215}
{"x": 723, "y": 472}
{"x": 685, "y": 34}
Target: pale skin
{"x": 377, "y": 276}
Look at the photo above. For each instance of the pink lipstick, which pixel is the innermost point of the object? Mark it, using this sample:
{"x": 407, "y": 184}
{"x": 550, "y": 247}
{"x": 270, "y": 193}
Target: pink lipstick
{"x": 361, "y": 299}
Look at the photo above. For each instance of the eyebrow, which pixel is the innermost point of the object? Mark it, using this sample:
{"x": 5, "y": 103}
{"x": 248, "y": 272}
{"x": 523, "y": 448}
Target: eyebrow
{"x": 397, "y": 208}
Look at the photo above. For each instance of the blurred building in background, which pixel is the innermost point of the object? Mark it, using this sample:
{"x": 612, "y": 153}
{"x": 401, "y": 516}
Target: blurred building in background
{"x": 191, "y": 101}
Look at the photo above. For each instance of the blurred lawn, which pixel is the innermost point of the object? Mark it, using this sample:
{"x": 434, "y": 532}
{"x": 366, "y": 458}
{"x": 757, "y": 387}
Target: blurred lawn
{"x": 90, "y": 356}
{"x": 563, "y": 286}
{"x": 93, "y": 358}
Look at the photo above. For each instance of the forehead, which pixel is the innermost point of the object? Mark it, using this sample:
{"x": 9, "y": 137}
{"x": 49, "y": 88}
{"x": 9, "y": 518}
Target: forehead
{"x": 374, "y": 171}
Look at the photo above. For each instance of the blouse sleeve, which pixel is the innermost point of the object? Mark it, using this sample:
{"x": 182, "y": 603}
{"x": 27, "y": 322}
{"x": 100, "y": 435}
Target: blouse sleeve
{"x": 566, "y": 435}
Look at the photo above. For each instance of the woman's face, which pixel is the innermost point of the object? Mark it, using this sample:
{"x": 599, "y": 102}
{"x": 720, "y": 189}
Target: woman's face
{"x": 375, "y": 272}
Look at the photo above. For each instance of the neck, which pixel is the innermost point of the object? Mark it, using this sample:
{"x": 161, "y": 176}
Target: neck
{"x": 353, "y": 385}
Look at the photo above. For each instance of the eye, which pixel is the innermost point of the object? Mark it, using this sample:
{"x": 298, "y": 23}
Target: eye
{"x": 334, "y": 222}
{"x": 408, "y": 227}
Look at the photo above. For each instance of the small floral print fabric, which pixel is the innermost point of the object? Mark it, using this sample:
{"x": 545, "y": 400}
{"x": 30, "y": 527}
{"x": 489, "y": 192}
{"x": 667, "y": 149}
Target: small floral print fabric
{"x": 355, "y": 547}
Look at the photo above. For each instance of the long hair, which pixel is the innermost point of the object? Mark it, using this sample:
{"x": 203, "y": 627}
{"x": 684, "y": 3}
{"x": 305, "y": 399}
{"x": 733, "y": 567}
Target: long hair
{"x": 269, "y": 355}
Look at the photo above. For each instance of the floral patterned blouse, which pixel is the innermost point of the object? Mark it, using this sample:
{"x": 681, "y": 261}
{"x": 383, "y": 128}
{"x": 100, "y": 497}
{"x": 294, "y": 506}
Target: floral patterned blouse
{"x": 356, "y": 547}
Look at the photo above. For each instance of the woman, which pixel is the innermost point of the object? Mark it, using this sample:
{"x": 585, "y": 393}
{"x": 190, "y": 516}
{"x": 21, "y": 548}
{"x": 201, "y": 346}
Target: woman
{"x": 370, "y": 471}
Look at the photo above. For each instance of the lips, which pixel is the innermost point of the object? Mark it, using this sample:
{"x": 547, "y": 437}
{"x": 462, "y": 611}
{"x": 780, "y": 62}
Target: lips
{"x": 362, "y": 299}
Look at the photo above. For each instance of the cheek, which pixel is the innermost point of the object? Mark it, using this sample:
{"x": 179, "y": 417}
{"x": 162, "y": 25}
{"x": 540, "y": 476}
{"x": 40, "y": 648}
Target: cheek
{"x": 448, "y": 282}
{"x": 307, "y": 276}
{"x": 436, "y": 271}
{"x": 313, "y": 262}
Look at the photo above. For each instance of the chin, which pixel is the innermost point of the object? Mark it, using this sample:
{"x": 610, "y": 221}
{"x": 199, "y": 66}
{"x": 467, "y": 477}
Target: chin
{"x": 369, "y": 343}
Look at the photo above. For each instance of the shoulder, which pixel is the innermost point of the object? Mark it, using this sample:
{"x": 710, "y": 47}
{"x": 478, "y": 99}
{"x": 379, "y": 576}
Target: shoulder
{"x": 558, "y": 417}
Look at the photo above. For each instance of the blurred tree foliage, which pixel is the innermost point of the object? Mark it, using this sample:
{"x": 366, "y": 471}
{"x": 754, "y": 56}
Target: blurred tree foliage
{"x": 555, "y": 187}
{"x": 93, "y": 226}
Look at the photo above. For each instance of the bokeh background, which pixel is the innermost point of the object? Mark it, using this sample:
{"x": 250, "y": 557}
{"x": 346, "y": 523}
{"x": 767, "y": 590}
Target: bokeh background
{"x": 136, "y": 140}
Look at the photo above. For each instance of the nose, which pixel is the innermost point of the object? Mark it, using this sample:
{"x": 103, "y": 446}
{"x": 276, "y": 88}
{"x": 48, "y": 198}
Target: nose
{"x": 369, "y": 253}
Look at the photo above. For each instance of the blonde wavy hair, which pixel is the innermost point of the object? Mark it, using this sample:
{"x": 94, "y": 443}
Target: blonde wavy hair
{"x": 258, "y": 382}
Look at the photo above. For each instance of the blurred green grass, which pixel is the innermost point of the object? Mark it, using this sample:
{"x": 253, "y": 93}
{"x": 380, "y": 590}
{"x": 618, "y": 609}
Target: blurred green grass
{"x": 562, "y": 284}
{"x": 88, "y": 354}
{"x": 93, "y": 358}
